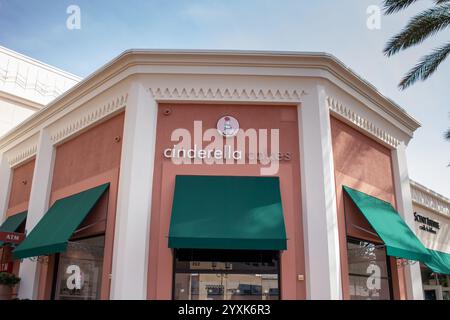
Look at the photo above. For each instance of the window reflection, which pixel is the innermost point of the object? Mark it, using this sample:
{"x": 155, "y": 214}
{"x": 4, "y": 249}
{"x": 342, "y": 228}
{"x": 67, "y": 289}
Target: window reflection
{"x": 226, "y": 275}
{"x": 80, "y": 270}
{"x": 369, "y": 274}
{"x": 436, "y": 286}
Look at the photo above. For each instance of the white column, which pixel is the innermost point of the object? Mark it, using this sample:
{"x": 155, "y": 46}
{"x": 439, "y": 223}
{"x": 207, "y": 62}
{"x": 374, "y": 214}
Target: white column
{"x": 323, "y": 272}
{"x": 38, "y": 205}
{"x": 404, "y": 205}
{"x": 5, "y": 182}
{"x": 131, "y": 244}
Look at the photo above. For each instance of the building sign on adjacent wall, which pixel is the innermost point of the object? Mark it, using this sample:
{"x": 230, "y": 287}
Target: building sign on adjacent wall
{"x": 427, "y": 224}
{"x": 11, "y": 237}
{"x": 6, "y": 267}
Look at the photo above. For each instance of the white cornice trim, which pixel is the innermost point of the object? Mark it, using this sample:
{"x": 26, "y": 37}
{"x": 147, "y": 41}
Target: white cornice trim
{"x": 227, "y": 94}
{"x": 361, "y": 122}
{"x": 273, "y": 59}
{"x": 246, "y": 63}
{"x": 25, "y": 103}
{"x": 30, "y": 79}
{"x": 69, "y": 126}
{"x": 89, "y": 117}
{"x": 429, "y": 199}
{"x": 16, "y": 78}
{"x": 22, "y": 155}
{"x": 39, "y": 64}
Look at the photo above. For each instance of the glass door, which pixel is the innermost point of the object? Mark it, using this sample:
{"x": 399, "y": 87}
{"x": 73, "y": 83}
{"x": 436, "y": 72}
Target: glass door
{"x": 226, "y": 275}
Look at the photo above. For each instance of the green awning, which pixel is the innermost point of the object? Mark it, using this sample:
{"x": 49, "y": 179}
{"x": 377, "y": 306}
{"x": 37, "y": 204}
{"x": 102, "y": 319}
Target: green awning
{"x": 13, "y": 223}
{"x": 399, "y": 239}
{"x": 227, "y": 212}
{"x": 54, "y": 230}
{"x": 440, "y": 262}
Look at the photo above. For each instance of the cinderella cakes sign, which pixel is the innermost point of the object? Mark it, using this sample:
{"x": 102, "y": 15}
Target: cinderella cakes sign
{"x": 227, "y": 144}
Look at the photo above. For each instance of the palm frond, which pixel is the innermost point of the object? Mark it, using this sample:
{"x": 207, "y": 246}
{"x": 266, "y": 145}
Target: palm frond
{"x": 420, "y": 27}
{"x": 426, "y": 66}
{"x": 447, "y": 135}
{"x": 441, "y": 1}
{"x": 393, "y": 6}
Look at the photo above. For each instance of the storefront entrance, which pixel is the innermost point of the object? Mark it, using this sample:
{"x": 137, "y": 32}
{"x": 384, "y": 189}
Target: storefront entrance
{"x": 71, "y": 235}
{"x": 226, "y": 275}
{"x": 226, "y": 234}
{"x": 376, "y": 235}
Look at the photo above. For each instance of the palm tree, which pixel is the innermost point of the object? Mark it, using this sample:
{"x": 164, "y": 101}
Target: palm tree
{"x": 423, "y": 25}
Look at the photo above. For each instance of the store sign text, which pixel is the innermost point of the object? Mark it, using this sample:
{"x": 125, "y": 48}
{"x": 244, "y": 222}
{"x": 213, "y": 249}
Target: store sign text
{"x": 427, "y": 224}
{"x": 7, "y": 266}
{"x": 251, "y": 146}
{"x": 11, "y": 237}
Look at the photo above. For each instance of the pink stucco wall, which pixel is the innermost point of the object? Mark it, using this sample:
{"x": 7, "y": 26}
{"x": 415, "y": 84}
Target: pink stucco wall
{"x": 22, "y": 179}
{"x": 19, "y": 196}
{"x": 363, "y": 164}
{"x": 249, "y": 116}
{"x": 88, "y": 160}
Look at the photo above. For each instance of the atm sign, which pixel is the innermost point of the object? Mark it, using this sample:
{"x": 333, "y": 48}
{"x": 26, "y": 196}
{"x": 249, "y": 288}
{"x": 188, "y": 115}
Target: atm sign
{"x": 11, "y": 237}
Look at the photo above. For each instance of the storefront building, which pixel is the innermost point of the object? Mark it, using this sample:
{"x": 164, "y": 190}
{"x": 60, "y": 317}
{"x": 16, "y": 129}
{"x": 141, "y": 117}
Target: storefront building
{"x": 215, "y": 175}
{"x": 432, "y": 223}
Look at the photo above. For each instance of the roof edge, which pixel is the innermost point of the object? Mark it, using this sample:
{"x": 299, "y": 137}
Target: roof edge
{"x": 40, "y": 64}
{"x": 379, "y": 99}
{"x": 435, "y": 194}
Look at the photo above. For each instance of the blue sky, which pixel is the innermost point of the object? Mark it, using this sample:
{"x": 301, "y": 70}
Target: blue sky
{"x": 37, "y": 28}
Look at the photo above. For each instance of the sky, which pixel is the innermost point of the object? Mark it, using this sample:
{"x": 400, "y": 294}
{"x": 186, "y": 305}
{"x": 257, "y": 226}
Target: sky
{"x": 37, "y": 28}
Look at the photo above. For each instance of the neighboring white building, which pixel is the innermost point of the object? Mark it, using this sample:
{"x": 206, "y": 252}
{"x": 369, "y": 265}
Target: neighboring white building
{"x": 27, "y": 85}
{"x": 432, "y": 226}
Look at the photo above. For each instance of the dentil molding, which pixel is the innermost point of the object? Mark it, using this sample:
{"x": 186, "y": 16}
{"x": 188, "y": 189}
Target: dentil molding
{"x": 93, "y": 115}
{"x": 89, "y": 117}
{"x": 228, "y": 94}
{"x": 361, "y": 122}
{"x": 22, "y": 155}
{"x": 69, "y": 127}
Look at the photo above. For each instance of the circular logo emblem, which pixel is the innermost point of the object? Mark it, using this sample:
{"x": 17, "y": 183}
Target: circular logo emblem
{"x": 228, "y": 126}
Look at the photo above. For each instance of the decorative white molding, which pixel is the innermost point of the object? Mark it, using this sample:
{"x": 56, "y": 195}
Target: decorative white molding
{"x": 32, "y": 80}
{"x": 228, "y": 94}
{"x": 429, "y": 199}
{"x": 366, "y": 125}
{"x": 89, "y": 117}
{"x": 194, "y": 64}
{"x": 16, "y": 78}
{"x": 22, "y": 155}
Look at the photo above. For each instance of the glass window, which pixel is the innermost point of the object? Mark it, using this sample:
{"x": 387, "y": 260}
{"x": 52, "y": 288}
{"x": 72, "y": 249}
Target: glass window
{"x": 226, "y": 275}
{"x": 369, "y": 274}
{"x": 79, "y": 270}
{"x": 435, "y": 285}
{"x": 430, "y": 294}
